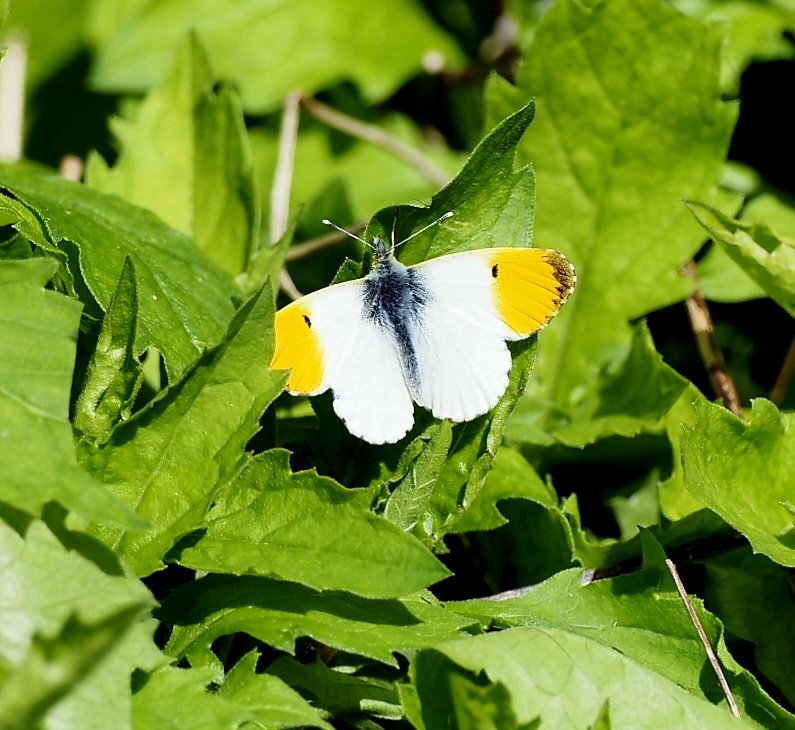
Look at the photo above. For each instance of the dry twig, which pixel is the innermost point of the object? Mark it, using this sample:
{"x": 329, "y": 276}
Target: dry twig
{"x": 713, "y": 659}
{"x": 282, "y": 182}
{"x": 781, "y": 385}
{"x": 711, "y": 354}
{"x": 376, "y": 136}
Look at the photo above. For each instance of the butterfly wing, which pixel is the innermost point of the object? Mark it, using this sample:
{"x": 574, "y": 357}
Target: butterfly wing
{"x": 478, "y": 300}
{"x": 326, "y": 342}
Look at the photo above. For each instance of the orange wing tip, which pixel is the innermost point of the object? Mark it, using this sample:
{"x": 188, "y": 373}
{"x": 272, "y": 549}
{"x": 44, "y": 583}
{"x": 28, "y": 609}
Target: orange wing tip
{"x": 531, "y": 285}
{"x": 298, "y": 350}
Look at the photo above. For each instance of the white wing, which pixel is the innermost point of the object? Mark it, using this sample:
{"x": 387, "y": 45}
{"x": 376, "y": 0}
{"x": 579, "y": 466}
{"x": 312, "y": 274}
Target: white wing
{"x": 478, "y": 300}
{"x": 327, "y": 343}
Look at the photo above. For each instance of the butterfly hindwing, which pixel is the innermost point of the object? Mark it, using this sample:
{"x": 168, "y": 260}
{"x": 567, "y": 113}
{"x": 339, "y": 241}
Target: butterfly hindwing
{"x": 326, "y": 342}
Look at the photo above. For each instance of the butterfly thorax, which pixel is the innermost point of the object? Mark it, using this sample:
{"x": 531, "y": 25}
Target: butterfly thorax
{"x": 394, "y": 298}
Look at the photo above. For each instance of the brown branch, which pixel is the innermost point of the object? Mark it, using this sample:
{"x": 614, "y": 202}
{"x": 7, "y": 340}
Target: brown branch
{"x": 711, "y": 354}
{"x": 713, "y": 659}
{"x": 317, "y": 244}
{"x": 781, "y": 385}
{"x": 377, "y": 136}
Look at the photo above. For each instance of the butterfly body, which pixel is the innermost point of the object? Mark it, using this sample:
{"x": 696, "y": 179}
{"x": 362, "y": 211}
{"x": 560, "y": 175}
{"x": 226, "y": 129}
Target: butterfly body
{"x": 434, "y": 334}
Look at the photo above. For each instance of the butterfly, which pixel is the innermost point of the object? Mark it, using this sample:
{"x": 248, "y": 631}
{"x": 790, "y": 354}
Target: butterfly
{"x": 433, "y": 334}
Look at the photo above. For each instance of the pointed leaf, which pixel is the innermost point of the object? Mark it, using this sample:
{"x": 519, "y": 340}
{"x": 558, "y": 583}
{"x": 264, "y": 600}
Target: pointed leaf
{"x": 184, "y": 300}
{"x": 306, "y": 528}
{"x": 744, "y": 472}
{"x": 185, "y": 156}
{"x": 38, "y": 332}
{"x": 167, "y": 460}
{"x": 278, "y": 613}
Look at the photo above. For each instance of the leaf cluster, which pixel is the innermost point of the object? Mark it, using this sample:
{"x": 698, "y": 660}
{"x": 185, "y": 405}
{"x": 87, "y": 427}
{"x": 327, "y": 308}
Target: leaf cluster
{"x": 183, "y": 545}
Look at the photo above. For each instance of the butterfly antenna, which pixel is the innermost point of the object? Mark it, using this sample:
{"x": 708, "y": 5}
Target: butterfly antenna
{"x": 448, "y": 214}
{"x": 327, "y": 222}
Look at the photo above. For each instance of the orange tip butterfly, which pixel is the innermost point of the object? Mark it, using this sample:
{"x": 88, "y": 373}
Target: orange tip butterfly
{"x": 433, "y": 334}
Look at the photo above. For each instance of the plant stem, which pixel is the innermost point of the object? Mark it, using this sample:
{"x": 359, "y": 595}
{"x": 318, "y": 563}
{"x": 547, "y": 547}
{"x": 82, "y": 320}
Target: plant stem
{"x": 708, "y": 347}
{"x": 321, "y": 242}
{"x": 781, "y": 385}
{"x": 282, "y": 182}
{"x": 377, "y": 136}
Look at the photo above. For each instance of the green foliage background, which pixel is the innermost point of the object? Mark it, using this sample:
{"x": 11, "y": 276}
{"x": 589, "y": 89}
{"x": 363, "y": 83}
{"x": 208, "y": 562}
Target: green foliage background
{"x": 183, "y": 546}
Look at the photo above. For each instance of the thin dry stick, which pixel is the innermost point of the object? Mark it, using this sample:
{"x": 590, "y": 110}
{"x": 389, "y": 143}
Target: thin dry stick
{"x": 321, "y": 242}
{"x": 781, "y": 385}
{"x": 376, "y": 136}
{"x": 711, "y": 354}
{"x": 282, "y": 182}
{"x": 713, "y": 659}
{"x": 71, "y": 168}
{"x": 12, "y": 99}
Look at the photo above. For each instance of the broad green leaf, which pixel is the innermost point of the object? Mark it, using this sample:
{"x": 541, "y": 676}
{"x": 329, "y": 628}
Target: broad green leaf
{"x": 562, "y": 678}
{"x": 510, "y": 477}
{"x": 182, "y": 699}
{"x": 306, "y": 528}
{"x": 720, "y": 279}
{"x": 754, "y": 599}
{"x": 46, "y": 584}
{"x": 616, "y": 145}
{"x": 184, "y": 299}
{"x": 278, "y": 613}
{"x": 766, "y": 257}
{"x": 628, "y": 397}
{"x": 55, "y": 665}
{"x": 744, "y": 473}
{"x": 270, "y": 48}
{"x": 756, "y": 32}
{"x": 630, "y": 626}
{"x": 341, "y": 693}
{"x": 38, "y": 332}
{"x": 274, "y": 704}
{"x": 114, "y": 373}
{"x": 167, "y": 460}
{"x": 185, "y": 156}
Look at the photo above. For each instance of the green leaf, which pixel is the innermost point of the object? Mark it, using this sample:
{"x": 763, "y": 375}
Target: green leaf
{"x": 274, "y": 704}
{"x": 628, "y": 397}
{"x": 493, "y": 203}
{"x": 743, "y": 472}
{"x": 185, "y": 156}
{"x": 51, "y": 584}
{"x": 341, "y": 693}
{"x": 754, "y": 599}
{"x": 562, "y": 678}
{"x": 720, "y": 279}
{"x": 306, "y": 528}
{"x": 510, "y": 477}
{"x": 324, "y": 44}
{"x": 766, "y": 257}
{"x": 756, "y": 32}
{"x": 184, "y": 300}
{"x": 278, "y": 613}
{"x": 181, "y": 699}
{"x": 167, "y": 460}
{"x": 616, "y": 146}
{"x": 114, "y": 373}
{"x": 38, "y": 332}
{"x": 582, "y": 645}
{"x": 55, "y": 666}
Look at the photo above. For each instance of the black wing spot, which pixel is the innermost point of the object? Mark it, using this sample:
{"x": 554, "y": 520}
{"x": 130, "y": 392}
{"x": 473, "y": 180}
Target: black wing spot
{"x": 495, "y": 270}
{"x": 308, "y": 321}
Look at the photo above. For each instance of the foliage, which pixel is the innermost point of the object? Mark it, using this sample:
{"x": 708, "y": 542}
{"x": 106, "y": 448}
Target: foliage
{"x": 183, "y": 545}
